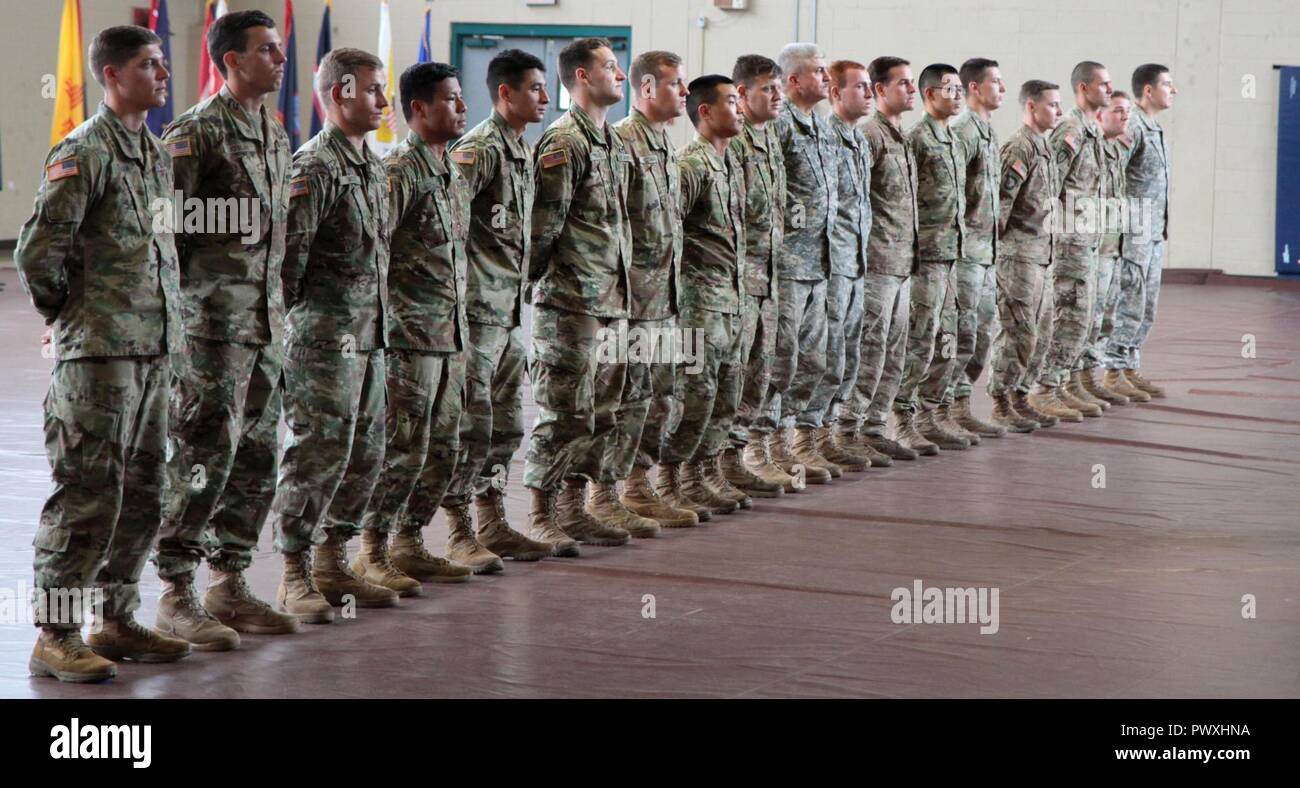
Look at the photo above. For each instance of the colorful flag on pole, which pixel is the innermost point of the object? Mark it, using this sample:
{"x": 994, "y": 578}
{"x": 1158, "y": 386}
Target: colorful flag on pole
{"x": 70, "y": 84}
{"x": 159, "y": 117}
{"x": 426, "y": 46}
{"x": 287, "y": 110}
{"x": 387, "y": 133}
{"x": 322, "y": 46}
{"x": 210, "y": 80}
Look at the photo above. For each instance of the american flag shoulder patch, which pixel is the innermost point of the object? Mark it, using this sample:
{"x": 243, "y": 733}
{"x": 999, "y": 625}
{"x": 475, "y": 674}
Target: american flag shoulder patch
{"x": 462, "y": 156}
{"x": 1069, "y": 140}
{"x": 1019, "y": 167}
{"x": 297, "y": 187}
{"x": 64, "y": 168}
{"x": 179, "y": 147}
{"x": 555, "y": 158}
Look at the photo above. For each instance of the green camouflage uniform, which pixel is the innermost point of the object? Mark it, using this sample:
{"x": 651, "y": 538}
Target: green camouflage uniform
{"x": 649, "y": 410}
{"x": 974, "y": 281}
{"x": 808, "y": 148}
{"x": 428, "y": 209}
{"x": 225, "y": 412}
{"x": 335, "y": 279}
{"x": 579, "y": 271}
{"x": 891, "y": 257}
{"x": 713, "y": 226}
{"x": 107, "y": 279}
{"x": 760, "y": 154}
{"x": 498, "y": 170}
{"x": 941, "y": 219}
{"x": 1146, "y": 186}
{"x": 1027, "y": 204}
{"x": 1107, "y": 280}
{"x": 851, "y": 227}
{"x": 1077, "y": 143}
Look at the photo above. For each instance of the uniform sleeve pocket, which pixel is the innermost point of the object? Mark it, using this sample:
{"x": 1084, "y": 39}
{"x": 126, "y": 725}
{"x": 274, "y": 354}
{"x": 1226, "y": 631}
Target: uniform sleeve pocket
{"x": 52, "y": 537}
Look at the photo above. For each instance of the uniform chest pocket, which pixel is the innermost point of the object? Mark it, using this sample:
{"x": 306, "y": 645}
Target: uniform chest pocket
{"x": 133, "y": 208}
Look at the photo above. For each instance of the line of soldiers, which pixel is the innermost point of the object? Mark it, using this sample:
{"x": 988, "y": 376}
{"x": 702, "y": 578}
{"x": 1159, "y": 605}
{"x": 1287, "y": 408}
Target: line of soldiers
{"x": 829, "y": 269}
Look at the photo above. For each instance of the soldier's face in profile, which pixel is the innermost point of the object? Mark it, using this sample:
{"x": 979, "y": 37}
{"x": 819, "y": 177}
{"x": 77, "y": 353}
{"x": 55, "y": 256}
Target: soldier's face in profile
{"x": 529, "y": 100}
{"x": 899, "y": 91}
{"x": 362, "y": 105}
{"x": 447, "y": 110}
{"x": 854, "y": 95}
{"x": 1162, "y": 94}
{"x": 762, "y": 102}
{"x": 815, "y": 81}
{"x": 724, "y": 114}
{"x": 1046, "y": 111}
{"x": 1097, "y": 92}
{"x": 668, "y": 93}
{"x": 946, "y": 98}
{"x": 991, "y": 88}
{"x": 604, "y": 78}
{"x": 142, "y": 80}
{"x": 261, "y": 64}
{"x": 1114, "y": 119}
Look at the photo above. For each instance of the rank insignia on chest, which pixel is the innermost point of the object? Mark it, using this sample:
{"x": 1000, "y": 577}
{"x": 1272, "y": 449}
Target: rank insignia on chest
{"x": 64, "y": 168}
{"x": 180, "y": 146}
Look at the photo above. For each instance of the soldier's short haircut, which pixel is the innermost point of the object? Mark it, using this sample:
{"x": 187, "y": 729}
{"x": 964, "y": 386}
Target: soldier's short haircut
{"x": 230, "y": 34}
{"x": 578, "y": 55}
{"x": 339, "y": 63}
{"x": 974, "y": 70}
{"x": 881, "y": 66}
{"x": 933, "y": 74}
{"x": 114, "y": 46}
{"x": 1034, "y": 89}
{"x": 420, "y": 82}
{"x": 839, "y": 70}
{"x": 794, "y": 58}
{"x": 508, "y": 68}
{"x": 1119, "y": 94}
{"x": 749, "y": 68}
{"x": 1147, "y": 74}
{"x": 1084, "y": 73}
{"x": 703, "y": 90}
{"x": 651, "y": 64}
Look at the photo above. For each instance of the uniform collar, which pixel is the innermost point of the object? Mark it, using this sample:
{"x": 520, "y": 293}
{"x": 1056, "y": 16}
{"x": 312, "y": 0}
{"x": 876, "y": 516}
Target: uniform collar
{"x": 757, "y": 137}
{"x": 421, "y": 149}
{"x": 936, "y": 128}
{"x": 1147, "y": 122}
{"x": 130, "y": 143}
{"x": 656, "y": 138}
{"x": 982, "y": 126}
{"x": 880, "y": 118}
{"x": 1037, "y": 140}
{"x": 843, "y": 128}
{"x": 349, "y": 151}
{"x": 806, "y": 121}
{"x": 1088, "y": 124}
{"x": 243, "y": 123}
{"x": 588, "y": 126}
{"x": 514, "y": 143}
{"x": 715, "y": 160}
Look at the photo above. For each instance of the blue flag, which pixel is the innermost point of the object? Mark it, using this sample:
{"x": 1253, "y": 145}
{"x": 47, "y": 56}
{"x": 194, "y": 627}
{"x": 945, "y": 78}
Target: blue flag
{"x": 322, "y": 46}
{"x": 287, "y": 107}
{"x": 159, "y": 117}
{"x": 426, "y": 49}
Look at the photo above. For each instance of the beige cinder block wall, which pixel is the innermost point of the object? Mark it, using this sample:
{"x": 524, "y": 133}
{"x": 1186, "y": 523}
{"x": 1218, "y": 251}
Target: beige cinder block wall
{"x": 1224, "y": 143}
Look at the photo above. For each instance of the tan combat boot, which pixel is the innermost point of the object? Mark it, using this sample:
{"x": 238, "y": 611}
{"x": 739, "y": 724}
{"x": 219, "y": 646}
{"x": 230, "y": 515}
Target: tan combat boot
{"x": 374, "y": 565}
{"x": 463, "y": 548}
{"x": 122, "y": 637}
{"x": 739, "y": 476}
{"x": 1136, "y": 380}
{"x": 780, "y": 453}
{"x": 639, "y": 496}
{"x": 1005, "y": 415}
{"x": 180, "y": 615}
{"x": 758, "y": 461}
{"x": 960, "y": 413}
{"x": 1020, "y": 401}
{"x": 937, "y": 434}
{"x": 408, "y": 554}
{"x": 668, "y": 485}
{"x": 888, "y": 446}
{"x": 61, "y": 653}
{"x": 1067, "y": 398}
{"x": 495, "y": 533}
{"x": 1046, "y": 401}
{"x": 543, "y": 525}
{"x": 698, "y": 491}
{"x": 854, "y": 439}
{"x": 943, "y": 418}
{"x": 572, "y": 518}
{"x": 910, "y": 435}
{"x": 840, "y": 454}
{"x": 803, "y": 450}
{"x": 234, "y": 604}
{"x": 1093, "y": 386}
{"x": 1115, "y": 380}
{"x": 298, "y": 595}
{"x": 1080, "y": 391}
{"x": 717, "y": 482}
{"x": 603, "y": 504}
{"x": 329, "y": 569}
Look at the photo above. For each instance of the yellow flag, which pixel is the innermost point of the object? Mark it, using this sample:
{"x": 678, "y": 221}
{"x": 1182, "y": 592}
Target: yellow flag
{"x": 70, "y": 96}
{"x": 386, "y": 134}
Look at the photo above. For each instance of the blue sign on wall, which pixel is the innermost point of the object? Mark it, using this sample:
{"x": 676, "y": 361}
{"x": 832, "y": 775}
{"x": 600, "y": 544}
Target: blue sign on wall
{"x": 1287, "y": 228}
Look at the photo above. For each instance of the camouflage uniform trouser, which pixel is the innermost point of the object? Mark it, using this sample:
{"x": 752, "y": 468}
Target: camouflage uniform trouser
{"x": 976, "y": 305}
{"x": 334, "y": 408}
{"x": 224, "y": 413}
{"x": 1024, "y": 325}
{"x": 886, "y": 313}
{"x": 422, "y": 427}
{"x": 1139, "y": 293}
{"x": 492, "y": 425}
{"x": 1074, "y": 297}
{"x": 578, "y": 381}
{"x": 800, "y": 361}
{"x": 710, "y": 390}
{"x": 927, "y": 330}
{"x": 648, "y": 410}
{"x": 843, "y": 351}
{"x": 1106, "y": 290}
{"x": 758, "y": 315}
{"x": 106, "y": 438}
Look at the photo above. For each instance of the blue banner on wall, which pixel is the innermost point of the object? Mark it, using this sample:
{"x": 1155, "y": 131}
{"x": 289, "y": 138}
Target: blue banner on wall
{"x": 1287, "y": 228}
